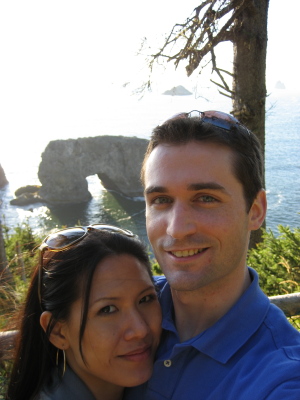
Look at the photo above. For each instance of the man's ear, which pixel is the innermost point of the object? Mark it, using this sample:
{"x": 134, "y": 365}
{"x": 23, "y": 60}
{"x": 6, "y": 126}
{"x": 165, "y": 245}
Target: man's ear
{"x": 258, "y": 210}
{"x": 57, "y": 336}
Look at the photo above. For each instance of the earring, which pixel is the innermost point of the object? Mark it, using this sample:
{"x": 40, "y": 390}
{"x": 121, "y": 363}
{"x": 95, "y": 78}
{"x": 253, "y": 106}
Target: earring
{"x": 64, "y": 361}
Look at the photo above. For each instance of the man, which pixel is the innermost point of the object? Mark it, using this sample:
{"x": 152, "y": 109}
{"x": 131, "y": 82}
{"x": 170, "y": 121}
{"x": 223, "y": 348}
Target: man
{"x": 222, "y": 339}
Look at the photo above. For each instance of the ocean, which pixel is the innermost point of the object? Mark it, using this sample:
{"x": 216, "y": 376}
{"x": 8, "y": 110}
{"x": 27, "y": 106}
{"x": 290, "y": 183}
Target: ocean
{"x": 119, "y": 113}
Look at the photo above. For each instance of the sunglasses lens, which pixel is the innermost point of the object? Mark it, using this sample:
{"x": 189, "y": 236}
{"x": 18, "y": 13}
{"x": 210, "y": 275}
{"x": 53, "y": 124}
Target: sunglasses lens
{"x": 215, "y": 118}
{"x": 195, "y": 114}
{"x": 221, "y": 116}
{"x": 64, "y": 238}
{"x": 112, "y": 228}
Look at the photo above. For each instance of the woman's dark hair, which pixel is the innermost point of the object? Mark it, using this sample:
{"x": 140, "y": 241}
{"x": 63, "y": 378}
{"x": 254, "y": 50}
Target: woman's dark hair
{"x": 67, "y": 275}
{"x": 247, "y": 156}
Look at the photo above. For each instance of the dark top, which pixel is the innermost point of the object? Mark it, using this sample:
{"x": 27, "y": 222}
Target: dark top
{"x": 70, "y": 387}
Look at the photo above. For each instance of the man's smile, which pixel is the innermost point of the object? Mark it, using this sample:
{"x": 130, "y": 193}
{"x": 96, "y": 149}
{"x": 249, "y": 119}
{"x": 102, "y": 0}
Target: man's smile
{"x": 186, "y": 253}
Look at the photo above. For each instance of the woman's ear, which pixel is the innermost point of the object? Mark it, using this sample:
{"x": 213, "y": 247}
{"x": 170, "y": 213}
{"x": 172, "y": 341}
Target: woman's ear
{"x": 258, "y": 211}
{"x": 57, "y": 337}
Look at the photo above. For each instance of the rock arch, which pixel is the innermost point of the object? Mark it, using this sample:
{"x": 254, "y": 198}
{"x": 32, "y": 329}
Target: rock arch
{"x": 66, "y": 164}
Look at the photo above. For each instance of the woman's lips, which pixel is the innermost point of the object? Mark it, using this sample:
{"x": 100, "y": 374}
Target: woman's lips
{"x": 140, "y": 354}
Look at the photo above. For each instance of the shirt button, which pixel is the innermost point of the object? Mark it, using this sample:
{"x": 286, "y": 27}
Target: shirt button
{"x": 167, "y": 363}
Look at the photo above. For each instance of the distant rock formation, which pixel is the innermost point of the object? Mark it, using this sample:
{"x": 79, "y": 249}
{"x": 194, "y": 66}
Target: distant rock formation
{"x": 3, "y": 180}
{"x": 178, "y": 91}
{"x": 66, "y": 164}
{"x": 27, "y": 195}
{"x": 279, "y": 85}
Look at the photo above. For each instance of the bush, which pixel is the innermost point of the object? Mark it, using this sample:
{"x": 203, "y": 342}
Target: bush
{"x": 19, "y": 248}
{"x": 277, "y": 261}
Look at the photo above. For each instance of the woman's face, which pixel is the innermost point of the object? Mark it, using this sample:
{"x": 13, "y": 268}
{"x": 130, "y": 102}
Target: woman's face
{"x": 123, "y": 326}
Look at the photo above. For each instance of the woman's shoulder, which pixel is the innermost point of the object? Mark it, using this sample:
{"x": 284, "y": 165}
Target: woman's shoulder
{"x": 70, "y": 387}
{"x": 44, "y": 396}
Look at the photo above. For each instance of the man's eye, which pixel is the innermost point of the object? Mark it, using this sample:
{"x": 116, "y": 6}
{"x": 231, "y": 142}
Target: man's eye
{"x": 161, "y": 200}
{"x": 107, "y": 310}
{"x": 206, "y": 199}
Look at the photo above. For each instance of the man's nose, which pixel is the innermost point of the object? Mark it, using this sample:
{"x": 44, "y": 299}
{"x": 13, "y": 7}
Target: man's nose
{"x": 181, "y": 221}
{"x": 136, "y": 326}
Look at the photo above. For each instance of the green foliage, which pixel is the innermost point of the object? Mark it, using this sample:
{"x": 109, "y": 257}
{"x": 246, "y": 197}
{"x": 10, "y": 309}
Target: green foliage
{"x": 22, "y": 240}
{"x": 156, "y": 268}
{"x": 20, "y": 244}
{"x": 19, "y": 247}
{"x": 4, "y": 374}
{"x": 277, "y": 261}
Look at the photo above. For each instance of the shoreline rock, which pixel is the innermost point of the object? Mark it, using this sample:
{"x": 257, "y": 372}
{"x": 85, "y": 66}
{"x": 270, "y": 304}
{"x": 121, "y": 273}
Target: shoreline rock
{"x": 26, "y": 195}
{"x": 3, "y": 180}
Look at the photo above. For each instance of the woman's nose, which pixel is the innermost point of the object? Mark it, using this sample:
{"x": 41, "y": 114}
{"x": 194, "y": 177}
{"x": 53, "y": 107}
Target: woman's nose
{"x": 137, "y": 327}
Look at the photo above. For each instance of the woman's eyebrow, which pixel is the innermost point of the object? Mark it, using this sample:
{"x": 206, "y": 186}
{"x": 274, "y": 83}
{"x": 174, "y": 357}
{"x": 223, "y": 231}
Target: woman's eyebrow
{"x": 105, "y": 298}
{"x": 114, "y": 298}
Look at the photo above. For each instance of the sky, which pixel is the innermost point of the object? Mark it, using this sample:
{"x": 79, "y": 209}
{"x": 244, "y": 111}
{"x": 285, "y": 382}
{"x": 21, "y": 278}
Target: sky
{"x": 59, "y": 56}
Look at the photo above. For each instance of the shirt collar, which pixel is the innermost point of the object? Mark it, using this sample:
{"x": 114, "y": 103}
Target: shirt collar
{"x": 226, "y": 336}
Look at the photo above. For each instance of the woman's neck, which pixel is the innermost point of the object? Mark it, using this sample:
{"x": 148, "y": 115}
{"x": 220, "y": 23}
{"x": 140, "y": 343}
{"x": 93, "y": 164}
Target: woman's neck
{"x": 108, "y": 392}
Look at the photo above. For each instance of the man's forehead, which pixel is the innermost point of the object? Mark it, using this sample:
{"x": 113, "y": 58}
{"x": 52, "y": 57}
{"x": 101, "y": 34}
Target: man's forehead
{"x": 195, "y": 162}
{"x": 168, "y": 152}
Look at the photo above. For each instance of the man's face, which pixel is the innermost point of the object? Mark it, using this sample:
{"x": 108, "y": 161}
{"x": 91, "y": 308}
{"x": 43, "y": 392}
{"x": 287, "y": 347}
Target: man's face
{"x": 196, "y": 214}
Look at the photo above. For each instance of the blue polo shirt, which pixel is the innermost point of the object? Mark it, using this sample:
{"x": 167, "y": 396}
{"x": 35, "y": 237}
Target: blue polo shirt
{"x": 251, "y": 353}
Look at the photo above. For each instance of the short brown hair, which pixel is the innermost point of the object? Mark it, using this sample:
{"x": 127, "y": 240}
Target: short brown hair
{"x": 248, "y": 159}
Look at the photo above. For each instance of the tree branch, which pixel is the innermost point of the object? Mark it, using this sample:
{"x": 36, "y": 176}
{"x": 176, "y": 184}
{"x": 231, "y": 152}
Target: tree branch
{"x": 196, "y": 47}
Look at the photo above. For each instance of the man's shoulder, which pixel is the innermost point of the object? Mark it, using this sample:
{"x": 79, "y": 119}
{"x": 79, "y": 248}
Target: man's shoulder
{"x": 160, "y": 281}
{"x": 277, "y": 374}
{"x": 277, "y": 356}
{"x": 285, "y": 336}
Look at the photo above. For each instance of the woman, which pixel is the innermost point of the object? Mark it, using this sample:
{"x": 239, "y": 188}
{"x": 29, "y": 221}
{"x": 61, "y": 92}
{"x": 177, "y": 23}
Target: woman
{"x": 91, "y": 321}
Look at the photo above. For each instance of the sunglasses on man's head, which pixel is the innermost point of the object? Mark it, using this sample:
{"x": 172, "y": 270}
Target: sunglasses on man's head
{"x": 65, "y": 238}
{"x": 215, "y": 118}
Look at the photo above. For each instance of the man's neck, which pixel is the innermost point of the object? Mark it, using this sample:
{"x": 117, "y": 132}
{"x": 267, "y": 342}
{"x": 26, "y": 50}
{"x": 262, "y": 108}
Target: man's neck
{"x": 197, "y": 310}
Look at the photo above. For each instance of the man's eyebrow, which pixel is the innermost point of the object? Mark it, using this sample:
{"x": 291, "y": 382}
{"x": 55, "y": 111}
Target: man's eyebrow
{"x": 206, "y": 185}
{"x": 155, "y": 189}
{"x": 191, "y": 187}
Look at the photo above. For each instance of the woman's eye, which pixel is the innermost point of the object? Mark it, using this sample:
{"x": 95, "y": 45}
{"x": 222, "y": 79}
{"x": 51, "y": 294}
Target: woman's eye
{"x": 107, "y": 310}
{"x": 148, "y": 298}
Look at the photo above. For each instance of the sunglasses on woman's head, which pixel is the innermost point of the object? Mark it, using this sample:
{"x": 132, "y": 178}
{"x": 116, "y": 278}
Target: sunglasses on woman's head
{"x": 215, "y": 118}
{"x": 65, "y": 238}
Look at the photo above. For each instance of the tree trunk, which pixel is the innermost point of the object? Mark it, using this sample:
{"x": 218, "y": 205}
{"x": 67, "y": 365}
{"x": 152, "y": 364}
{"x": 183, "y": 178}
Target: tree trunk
{"x": 249, "y": 83}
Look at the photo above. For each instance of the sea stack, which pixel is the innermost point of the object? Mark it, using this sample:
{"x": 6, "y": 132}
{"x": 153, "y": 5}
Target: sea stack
{"x": 3, "y": 180}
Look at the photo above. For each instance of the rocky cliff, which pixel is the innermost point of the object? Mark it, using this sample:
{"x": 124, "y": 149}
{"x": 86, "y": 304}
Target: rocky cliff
{"x": 3, "y": 180}
{"x": 66, "y": 164}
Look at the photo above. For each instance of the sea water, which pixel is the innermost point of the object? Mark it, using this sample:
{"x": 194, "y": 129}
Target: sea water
{"x": 122, "y": 114}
